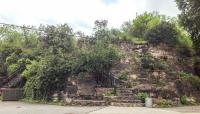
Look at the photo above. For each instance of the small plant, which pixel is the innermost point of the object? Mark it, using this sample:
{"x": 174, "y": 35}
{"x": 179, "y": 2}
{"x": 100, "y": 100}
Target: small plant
{"x": 142, "y": 96}
{"x": 184, "y": 74}
{"x": 163, "y": 103}
{"x": 124, "y": 76}
{"x": 184, "y": 100}
{"x": 188, "y": 100}
{"x": 112, "y": 93}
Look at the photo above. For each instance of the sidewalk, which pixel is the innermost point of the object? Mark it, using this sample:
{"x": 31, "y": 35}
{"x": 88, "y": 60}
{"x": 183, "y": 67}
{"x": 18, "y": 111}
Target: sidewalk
{"x": 24, "y": 108}
{"x": 132, "y": 110}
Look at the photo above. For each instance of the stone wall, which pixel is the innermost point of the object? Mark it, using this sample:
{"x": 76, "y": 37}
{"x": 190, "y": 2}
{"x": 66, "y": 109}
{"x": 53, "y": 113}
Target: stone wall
{"x": 11, "y": 94}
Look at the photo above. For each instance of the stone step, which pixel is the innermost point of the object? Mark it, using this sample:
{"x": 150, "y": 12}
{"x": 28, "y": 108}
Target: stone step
{"x": 126, "y": 97}
{"x": 127, "y": 104}
{"x": 125, "y": 94}
{"x": 89, "y": 103}
{"x": 127, "y": 101}
{"x": 124, "y": 91}
{"x": 143, "y": 80}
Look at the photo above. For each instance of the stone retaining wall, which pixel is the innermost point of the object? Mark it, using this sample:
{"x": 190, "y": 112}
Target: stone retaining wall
{"x": 11, "y": 94}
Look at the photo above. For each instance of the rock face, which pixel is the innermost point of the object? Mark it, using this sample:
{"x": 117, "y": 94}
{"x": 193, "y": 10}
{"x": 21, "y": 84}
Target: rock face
{"x": 86, "y": 87}
{"x": 82, "y": 87}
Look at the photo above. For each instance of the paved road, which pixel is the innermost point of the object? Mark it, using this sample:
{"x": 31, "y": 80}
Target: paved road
{"x": 23, "y": 108}
{"x": 185, "y": 109}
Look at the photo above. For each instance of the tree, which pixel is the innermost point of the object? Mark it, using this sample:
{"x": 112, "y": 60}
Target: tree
{"x": 58, "y": 39}
{"x": 163, "y": 33}
{"x": 50, "y": 77}
{"x": 143, "y": 23}
{"x": 190, "y": 19}
{"x": 101, "y": 31}
{"x": 98, "y": 60}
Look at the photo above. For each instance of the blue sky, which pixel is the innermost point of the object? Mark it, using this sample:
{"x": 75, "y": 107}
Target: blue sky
{"x": 80, "y": 14}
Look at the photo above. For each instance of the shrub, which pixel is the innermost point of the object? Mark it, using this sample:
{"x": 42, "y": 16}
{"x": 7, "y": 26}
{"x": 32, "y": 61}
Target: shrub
{"x": 184, "y": 74}
{"x": 124, "y": 76}
{"x": 188, "y": 100}
{"x": 31, "y": 69}
{"x": 143, "y": 23}
{"x": 142, "y": 96}
{"x": 148, "y": 62}
{"x": 163, "y": 33}
{"x": 163, "y": 103}
{"x": 12, "y": 68}
{"x": 51, "y": 77}
{"x": 98, "y": 59}
{"x": 110, "y": 93}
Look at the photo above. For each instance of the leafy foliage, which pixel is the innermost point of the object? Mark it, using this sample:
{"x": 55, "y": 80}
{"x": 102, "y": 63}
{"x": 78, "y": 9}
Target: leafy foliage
{"x": 124, "y": 76}
{"x": 141, "y": 24}
{"x": 51, "y": 77}
{"x": 150, "y": 63}
{"x": 98, "y": 59}
{"x": 188, "y": 100}
{"x": 142, "y": 96}
{"x": 58, "y": 39}
{"x": 162, "y": 33}
{"x": 190, "y": 17}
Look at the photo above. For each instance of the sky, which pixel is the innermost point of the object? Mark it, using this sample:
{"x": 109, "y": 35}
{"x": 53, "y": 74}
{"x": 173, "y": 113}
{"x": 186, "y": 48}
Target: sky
{"x": 80, "y": 14}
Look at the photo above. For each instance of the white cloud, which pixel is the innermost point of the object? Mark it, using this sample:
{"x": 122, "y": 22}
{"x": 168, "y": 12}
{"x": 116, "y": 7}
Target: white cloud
{"x": 80, "y": 14}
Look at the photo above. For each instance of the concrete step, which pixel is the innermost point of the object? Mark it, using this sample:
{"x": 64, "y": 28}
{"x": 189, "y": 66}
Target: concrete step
{"x": 127, "y": 101}
{"x": 89, "y": 103}
{"x": 125, "y": 94}
{"x": 127, "y": 104}
{"x": 124, "y": 91}
{"x": 126, "y": 97}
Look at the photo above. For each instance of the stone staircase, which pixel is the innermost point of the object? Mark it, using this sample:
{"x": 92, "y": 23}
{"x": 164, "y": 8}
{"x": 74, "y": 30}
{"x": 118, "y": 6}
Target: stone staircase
{"x": 126, "y": 97}
{"x": 77, "y": 102}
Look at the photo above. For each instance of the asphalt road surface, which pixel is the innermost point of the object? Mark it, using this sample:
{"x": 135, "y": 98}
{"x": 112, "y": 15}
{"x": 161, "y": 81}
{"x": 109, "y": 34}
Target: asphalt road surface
{"x": 25, "y": 108}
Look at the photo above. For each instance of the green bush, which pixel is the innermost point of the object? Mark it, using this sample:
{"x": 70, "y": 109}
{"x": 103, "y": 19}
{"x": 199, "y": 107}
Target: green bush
{"x": 113, "y": 93}
{"x": 163, "y": 33}
{"x": 124, "y": 76}
{"x": 142, "y": 96}
{"x": 148, "y": 62}
{"x": 12, "y": 68}
{"x": 98, "y": 59}
{"x": 51, "y": 77}
{"x": 184, "y": 74}
{"x": 31, "y": 69}
{"x": 143, "y": 23}
{"x": 188, "y": 100}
